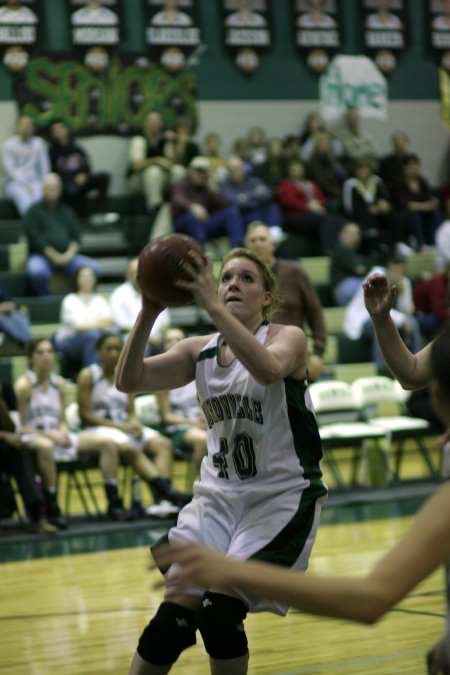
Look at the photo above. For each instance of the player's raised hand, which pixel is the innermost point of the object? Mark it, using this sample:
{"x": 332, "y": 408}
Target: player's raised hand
{"x": 379, "y": 295}
{"x": 201, "y": 282}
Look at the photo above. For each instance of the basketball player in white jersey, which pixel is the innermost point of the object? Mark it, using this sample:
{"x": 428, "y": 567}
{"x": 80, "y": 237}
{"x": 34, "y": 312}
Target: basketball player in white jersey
{"x": 260, "y": 491}
{"x": 41, "y": 402}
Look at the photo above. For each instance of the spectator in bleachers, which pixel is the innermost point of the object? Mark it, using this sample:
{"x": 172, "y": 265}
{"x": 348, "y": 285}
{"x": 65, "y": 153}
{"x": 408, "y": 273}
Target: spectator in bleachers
{"x": 358, "y": 324}
{"x": 443, "y": 244}
{"x": 14, "y": 321}
{"x": 202, "y": 212}
{"x": 367, "y": 201}
{"x": 390, "y": 167}
{"x": 314, "y": 126}
{"x": 248, "y": 193}
{"x": 326, "y": 171}
{"x": 256, "y": 146}
{"x": 348, "y": 266}
{"x": 182, "y": 148}
{"x": 356, "y": 143}
{"x": 26, "y": 163}
{"x": 19, "y": 464}
{"x": 299, "y": 303}
{"x": 180, "y": 410}
{"x": 148, "y": 162}
{"x": 432, "y": 301}
{"x": 53, "y": 233}
{"x": 212, "y": 145}
{"x": 273, "y": 169}
{"x": 418, "y": 205}
{"x": 240, "y": 149}
{"x": 304, "y": 208}
{"x": 72, "y": 164}
{"x": 110, "y": 413}
{"x": 41, "y": 400}
{"x": 85, "y": 315}
{"x": 291, "y": 147}
{"x": 126, "y": 302}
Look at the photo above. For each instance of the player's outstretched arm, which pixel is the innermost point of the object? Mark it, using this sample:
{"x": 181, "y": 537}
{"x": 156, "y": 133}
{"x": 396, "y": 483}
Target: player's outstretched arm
{"x": 411, "y": 370}
{"x": 424, "y": 548}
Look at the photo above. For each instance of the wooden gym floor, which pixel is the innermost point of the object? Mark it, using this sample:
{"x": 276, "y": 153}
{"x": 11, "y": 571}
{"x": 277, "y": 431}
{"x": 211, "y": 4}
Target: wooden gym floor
{"x": 76, "y": 604}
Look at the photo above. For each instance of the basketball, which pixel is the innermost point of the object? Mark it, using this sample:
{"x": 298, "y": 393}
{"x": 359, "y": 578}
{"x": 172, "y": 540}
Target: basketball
{"x": 159, "y": 267}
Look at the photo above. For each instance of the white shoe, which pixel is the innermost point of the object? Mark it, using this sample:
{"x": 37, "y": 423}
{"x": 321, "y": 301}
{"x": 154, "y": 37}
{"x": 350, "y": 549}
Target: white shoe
{"x": 277, "y": 234}
{"x": 163, "y": 509}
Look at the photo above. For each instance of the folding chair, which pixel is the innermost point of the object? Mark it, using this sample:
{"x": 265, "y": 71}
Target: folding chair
{"x": 340, "y": 425}
{"x": 370, "y": 392}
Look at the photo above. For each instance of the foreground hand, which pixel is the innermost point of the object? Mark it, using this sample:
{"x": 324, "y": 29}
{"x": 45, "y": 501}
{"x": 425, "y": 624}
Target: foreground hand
{"x": 199, "y": 565}
{"x": 379, "y": 296}
{"x": 438, "y": 658}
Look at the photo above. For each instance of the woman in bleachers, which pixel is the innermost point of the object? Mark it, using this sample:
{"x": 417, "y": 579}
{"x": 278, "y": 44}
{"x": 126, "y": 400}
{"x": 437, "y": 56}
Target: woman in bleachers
{"x": 85, "y": 314}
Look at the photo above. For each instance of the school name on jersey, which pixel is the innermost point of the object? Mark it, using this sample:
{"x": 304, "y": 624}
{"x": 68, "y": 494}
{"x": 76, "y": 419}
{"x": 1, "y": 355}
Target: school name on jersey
{"x": 173, "y": 36}
{"x": 95, "y": 35}
{"x": 392, "y": 39}
{"x": 44, "y": 412}
{"x": 318, "y": 38}
{"x": 441, "y": 39}
{"x": 17, "y": 35}
{"x": 230, "y": 407}
{"x": 242, "y": 37}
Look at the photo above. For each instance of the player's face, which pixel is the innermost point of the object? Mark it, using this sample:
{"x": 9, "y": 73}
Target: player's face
{"x": 109, "y": 352}
{"x": 43, "y": 358}
{"x": 241, "y": 288}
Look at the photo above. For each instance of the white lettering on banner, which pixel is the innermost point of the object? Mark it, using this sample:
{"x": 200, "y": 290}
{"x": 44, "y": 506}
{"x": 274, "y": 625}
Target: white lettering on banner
{"x": 353, "y": 81}
{"x": 392, "y": 39}
{"x": 17, "y": 35}
{"x": 440, "y": 40}
{"x": 93, "y": 35}
{"x": 318, "y": 38}
{"x": 173, "y": 36}
{"x": 241, "y": 37}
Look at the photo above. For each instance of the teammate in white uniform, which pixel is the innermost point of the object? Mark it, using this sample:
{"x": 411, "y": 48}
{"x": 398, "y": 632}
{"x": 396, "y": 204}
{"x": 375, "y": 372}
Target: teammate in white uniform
{"x": 109, "y": 413}
{"x": 260, "y": 492}
{"x": 41, "y": 400}
{"x": 180, "y": 409}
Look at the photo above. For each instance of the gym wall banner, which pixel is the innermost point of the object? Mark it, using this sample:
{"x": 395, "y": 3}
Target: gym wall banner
{"x": 95, "y": 29}
{"x": 438, "y": 24}
{"x": 20, "y": 32}
{"x": 172, "y": 32}
{"x": 384, "y": 31}
{"x": 353, "y": 81}
{"x": 317, "y": 31}
{"x": 114, "y": 100}
{"x": 246, "y": 29}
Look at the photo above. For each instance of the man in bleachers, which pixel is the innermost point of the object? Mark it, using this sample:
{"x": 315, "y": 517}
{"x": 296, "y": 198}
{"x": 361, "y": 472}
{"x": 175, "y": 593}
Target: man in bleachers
{"x": 300, "y": 304}
{"x": 53, "y": 233}
{"x": 26, "y": 162}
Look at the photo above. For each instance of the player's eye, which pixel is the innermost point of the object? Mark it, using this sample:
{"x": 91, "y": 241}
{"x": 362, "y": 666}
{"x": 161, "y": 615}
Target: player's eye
{"x": 226, "y": 277}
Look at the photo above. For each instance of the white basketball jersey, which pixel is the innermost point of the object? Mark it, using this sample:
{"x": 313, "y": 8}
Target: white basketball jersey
{"x": 260, "y": 438}
{"x": 106, "y": 400}
{"x": 184, "y": 402}
{"x": 44, "y": 407}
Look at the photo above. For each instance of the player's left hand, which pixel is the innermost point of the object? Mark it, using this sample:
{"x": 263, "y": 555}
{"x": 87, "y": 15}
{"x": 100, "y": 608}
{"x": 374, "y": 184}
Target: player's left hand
{"x": 198, "y": 565}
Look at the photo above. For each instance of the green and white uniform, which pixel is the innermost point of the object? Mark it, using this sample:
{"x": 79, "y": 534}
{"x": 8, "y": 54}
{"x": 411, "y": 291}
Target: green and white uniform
{"x": 260, "y": 490}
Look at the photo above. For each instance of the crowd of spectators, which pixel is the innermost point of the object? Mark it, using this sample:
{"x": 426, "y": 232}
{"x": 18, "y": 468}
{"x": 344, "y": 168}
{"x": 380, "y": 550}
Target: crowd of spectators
{"x": 364, "y": 211}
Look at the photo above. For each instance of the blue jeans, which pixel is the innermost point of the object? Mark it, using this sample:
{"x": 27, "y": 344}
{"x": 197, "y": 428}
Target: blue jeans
{"x": 80, "y": 348}
{"x": 424, "y": 226}
{"x": 16, "y": 325}
{"x": 40, "y": 270}
{"x": 228, "y": 222}
{"x": 346, "y": 289}
{"x": 412, "y": 340}
{"x": 270, "y": 214}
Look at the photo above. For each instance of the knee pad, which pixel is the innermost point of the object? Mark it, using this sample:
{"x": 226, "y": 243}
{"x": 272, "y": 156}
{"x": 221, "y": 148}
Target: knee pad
{"x": 219, "y": 621}
{"x": 171, "y": 631}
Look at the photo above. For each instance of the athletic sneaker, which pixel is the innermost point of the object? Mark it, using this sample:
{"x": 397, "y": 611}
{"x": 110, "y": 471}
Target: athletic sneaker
{"x": 41, "y": 526}
{"x": 162, "y": 509}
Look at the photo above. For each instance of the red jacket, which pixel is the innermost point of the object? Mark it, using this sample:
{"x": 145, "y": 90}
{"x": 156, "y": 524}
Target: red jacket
{"x": 294, "y": 199}
{"x": 431, "y": 296}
